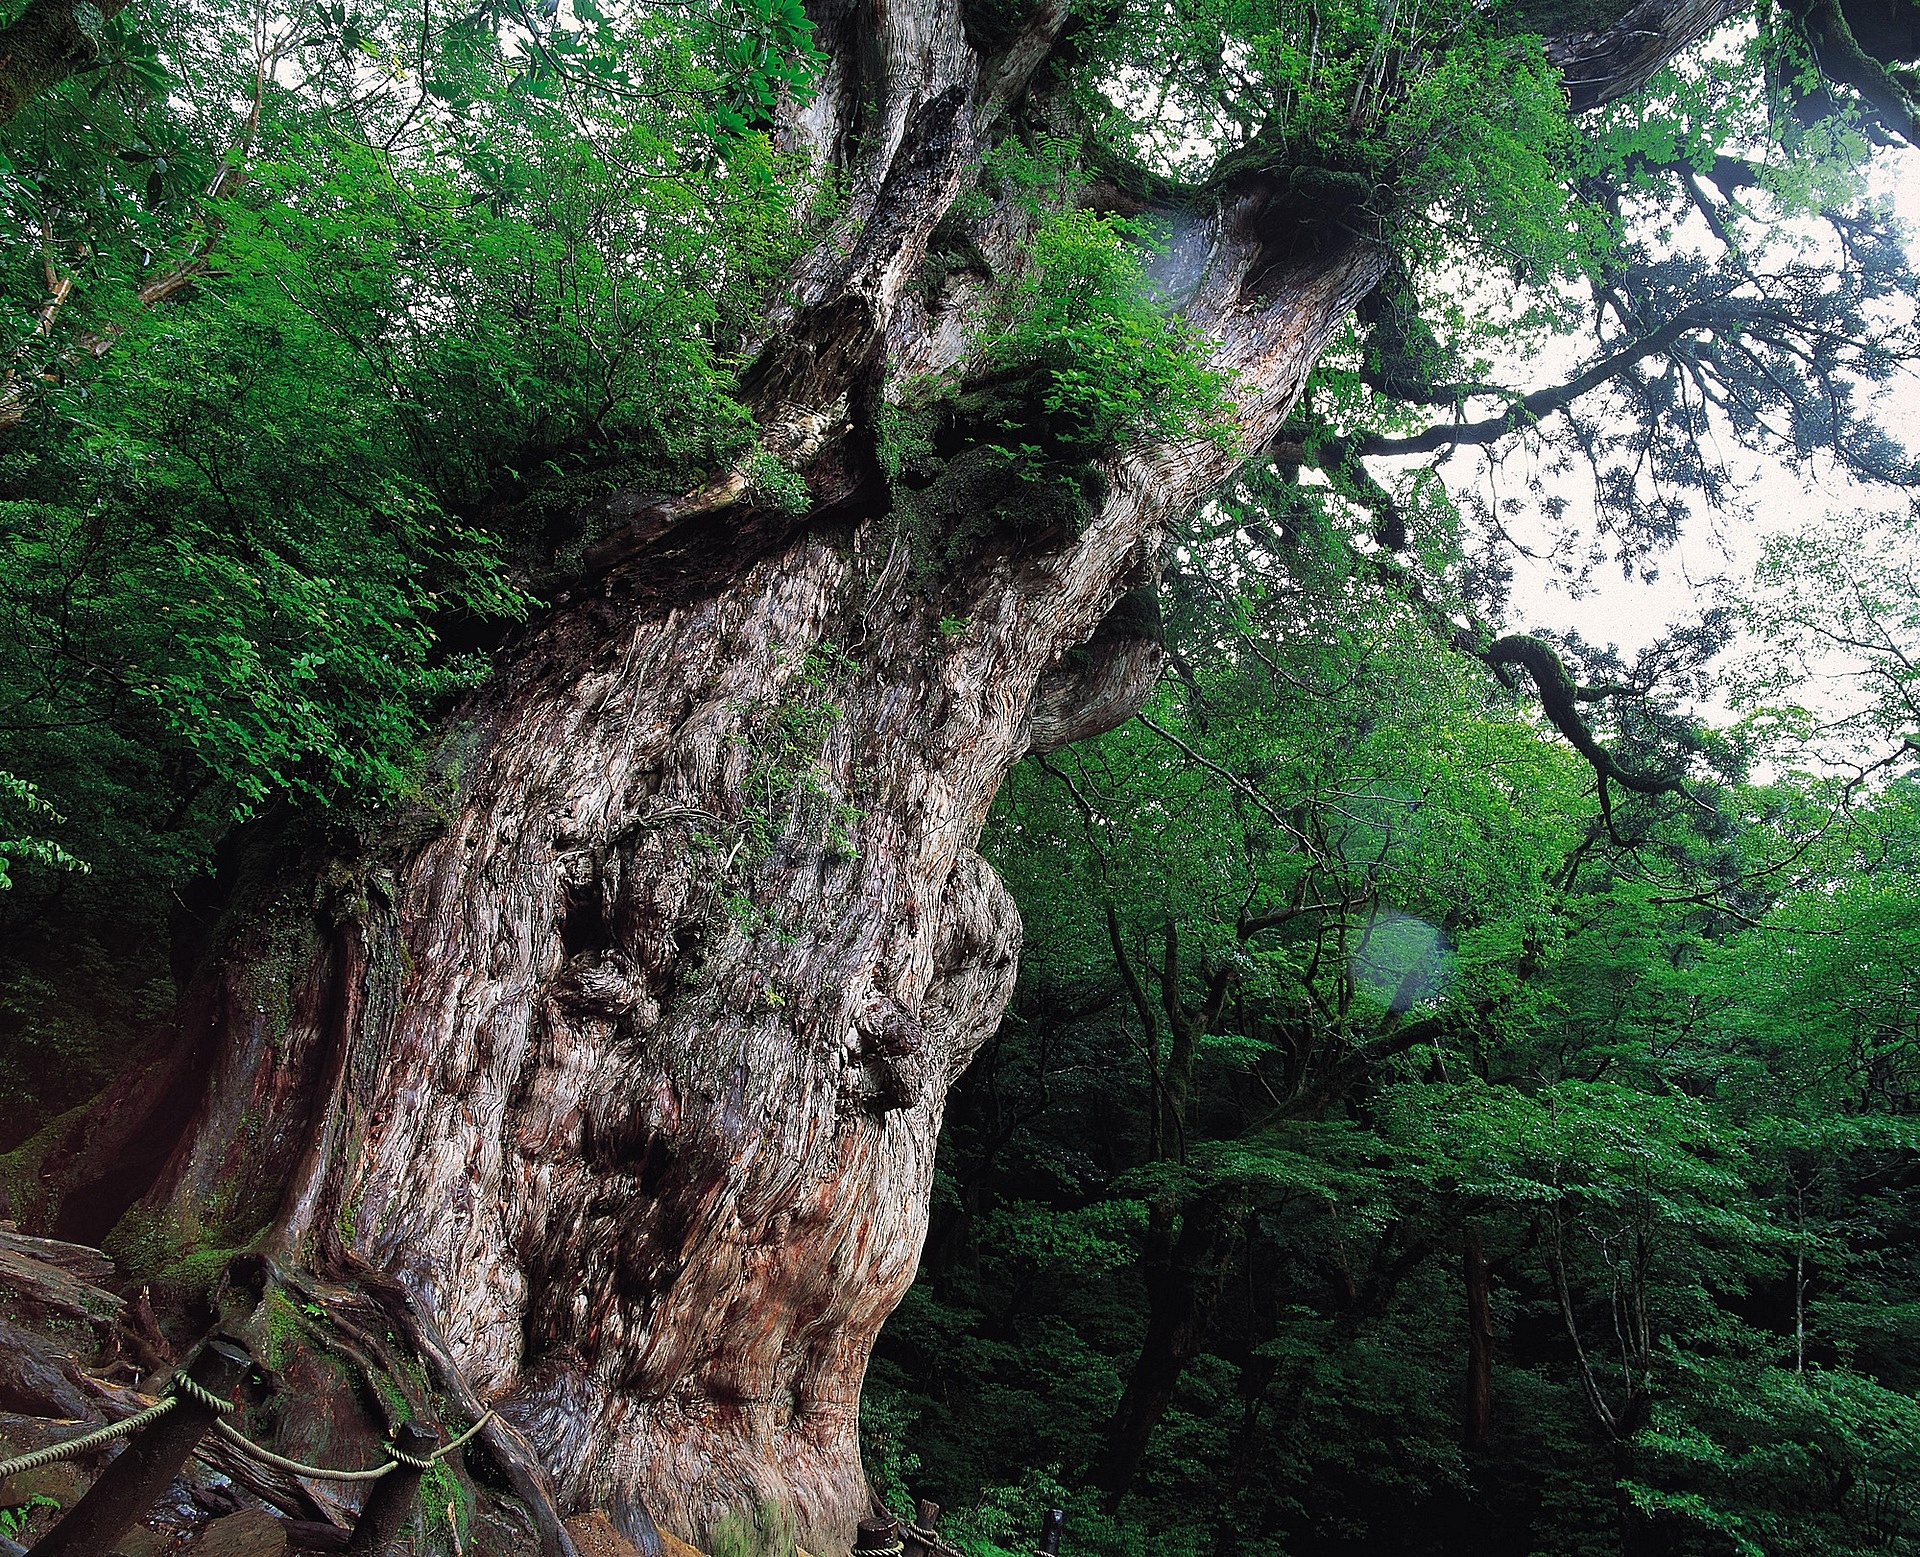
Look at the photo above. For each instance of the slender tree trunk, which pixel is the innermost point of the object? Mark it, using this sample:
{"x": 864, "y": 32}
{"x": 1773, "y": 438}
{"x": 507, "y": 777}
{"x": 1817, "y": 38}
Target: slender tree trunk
{"x": 1185, "y": 1268}
{"x": 1190, "y": 1247}
{"x": 1478, "y": 1417}
{"x": 1799, "y": 1277}
{"x": 620, "y": 1063}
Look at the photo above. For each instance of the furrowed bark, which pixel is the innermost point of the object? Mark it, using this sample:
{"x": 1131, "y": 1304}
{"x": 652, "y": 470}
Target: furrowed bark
{"x": 651, "y": 1133}
{"x": 1621, "y": 55}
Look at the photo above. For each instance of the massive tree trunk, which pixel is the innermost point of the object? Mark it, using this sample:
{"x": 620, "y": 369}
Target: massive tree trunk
{"x": 621, "y": 1061}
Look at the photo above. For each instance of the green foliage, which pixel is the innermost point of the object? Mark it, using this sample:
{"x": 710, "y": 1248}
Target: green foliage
{"x": 1442, "y": 125}
{"x": 1041, "y": 171}
{"x": 25, "y": 800}
{"x": 981, "y": 464}
{"x": 1662, "y": 1081}
{"x": 15, "y": 1518}
{"x": 1767, "y": 1459}
{"x": 308, "y": 399}
{"x": 1084, "y": 362}
{"x": 770, "y": 481}
{"x": 327, "y": 336}
{"x": 890, "y": 1468}
{"x": 1114, "y": 365}
{"x": 771, "y": 53}
{"x": 1836, "y": 605}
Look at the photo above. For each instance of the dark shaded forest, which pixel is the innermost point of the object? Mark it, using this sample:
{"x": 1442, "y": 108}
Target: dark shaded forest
{"x": 1381, "y": 1156}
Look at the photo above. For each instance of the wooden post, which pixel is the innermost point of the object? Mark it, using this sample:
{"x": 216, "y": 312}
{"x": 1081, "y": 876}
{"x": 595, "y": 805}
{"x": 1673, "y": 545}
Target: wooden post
{"x": 1050, "y": 1533}
{"x": 878, "y": 1537}
{"x": 394, "y": 1495}
{"x": 136, "y": 1479}
{"x": 918, "y": 1538}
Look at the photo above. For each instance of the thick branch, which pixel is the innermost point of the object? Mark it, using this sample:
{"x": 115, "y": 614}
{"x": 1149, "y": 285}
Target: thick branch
{"x": 1005, "y": 76}
{"x": 1542, "y": 403}
{"x": 1107, "y": 680}
{"x": 1559, "y": 697}
{"x": 1612, "y": 62}
{"x": 1251, "y": 925}
{"x": 1347, "y": 473}
{"x": 1842, "y": 59}
{"x": 49, "y": 41}
{"x": 1727, "y": 174}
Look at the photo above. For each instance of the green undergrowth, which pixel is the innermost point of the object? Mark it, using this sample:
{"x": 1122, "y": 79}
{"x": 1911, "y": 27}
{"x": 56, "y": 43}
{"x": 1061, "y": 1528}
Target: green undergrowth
{"x": 256, "y": 549}
{"x": 969, "y": 465}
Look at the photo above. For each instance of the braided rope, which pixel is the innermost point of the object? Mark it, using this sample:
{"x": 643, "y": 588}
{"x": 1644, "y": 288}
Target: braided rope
{"x": 93, "y": 1440}
{"x": 395, "y": 1457}
{"x": 927, "y": 1538}
{"x": 294, "y": 1467}
{"x": 200, "y": 1394}
{"x": 445, "y": 1449}
{"x": 178, "y": 1388}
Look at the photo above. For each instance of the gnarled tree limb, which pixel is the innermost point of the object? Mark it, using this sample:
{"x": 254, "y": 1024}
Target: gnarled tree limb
{"x": 1559, "y": 697}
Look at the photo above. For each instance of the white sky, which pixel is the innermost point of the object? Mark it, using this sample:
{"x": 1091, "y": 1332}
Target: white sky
{"x": 1630, "y": 613}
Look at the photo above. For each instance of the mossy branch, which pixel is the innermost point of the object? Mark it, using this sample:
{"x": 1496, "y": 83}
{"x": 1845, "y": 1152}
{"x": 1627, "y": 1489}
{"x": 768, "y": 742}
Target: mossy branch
{"x": 1560, "y": 697}
{"x": 48, "y": 42}
{"x": 1842, "y": 59}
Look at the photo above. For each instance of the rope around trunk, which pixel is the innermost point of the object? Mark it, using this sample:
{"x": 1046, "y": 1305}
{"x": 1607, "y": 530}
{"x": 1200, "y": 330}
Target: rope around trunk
{"x": 321, "y": 1473}
{"x": 181, "y": 1386}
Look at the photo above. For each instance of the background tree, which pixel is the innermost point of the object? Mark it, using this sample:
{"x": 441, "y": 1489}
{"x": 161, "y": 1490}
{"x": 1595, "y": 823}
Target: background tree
{"x": 1565, "y": 1254}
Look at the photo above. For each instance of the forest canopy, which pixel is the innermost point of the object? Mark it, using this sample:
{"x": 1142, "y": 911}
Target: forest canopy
{"x": 1459, "y": 1091}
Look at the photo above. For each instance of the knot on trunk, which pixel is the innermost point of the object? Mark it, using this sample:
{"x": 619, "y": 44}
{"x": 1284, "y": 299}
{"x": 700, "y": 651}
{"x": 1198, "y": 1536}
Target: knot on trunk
{"x": 890, "y": 1028}
{"x": 887, "y": 1059}
{"x": 610, "y": 985}
{"x": 1105, "y": 682}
